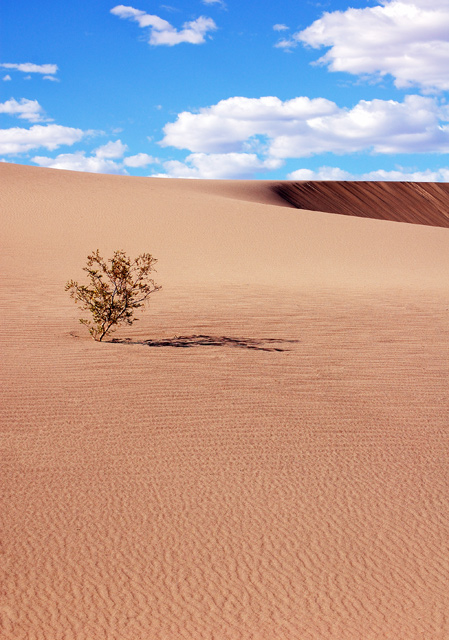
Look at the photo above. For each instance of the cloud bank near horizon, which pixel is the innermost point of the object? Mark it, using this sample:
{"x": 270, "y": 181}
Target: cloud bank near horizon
{"x": 304, "y": 127}
{"x": 380, "y": 175}
{"x": 108, "y": 158}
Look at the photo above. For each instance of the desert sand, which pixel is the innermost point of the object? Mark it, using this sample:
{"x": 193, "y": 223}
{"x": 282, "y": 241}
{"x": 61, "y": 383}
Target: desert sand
{"x": 291, "y": 481}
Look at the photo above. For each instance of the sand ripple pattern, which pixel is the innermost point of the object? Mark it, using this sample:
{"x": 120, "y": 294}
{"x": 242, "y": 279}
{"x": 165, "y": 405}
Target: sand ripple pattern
{"x": 229, "y": 494}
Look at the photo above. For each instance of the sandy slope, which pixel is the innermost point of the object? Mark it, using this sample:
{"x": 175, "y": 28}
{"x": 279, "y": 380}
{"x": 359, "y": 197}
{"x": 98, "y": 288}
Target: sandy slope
{"x": 414, "y": 202}
{"x": 223, "y": 492}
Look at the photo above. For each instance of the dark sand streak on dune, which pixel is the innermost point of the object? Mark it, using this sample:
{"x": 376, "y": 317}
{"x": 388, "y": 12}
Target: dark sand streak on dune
{"x": 415, "y": 202}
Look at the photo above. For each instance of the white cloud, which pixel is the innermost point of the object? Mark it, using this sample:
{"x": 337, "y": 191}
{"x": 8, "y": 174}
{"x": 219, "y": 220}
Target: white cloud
{"x": 303, "y": 127}
{"x": 399, "y": 175}
{"x": 107, "y": 158}
{"x": 218, "y": 166}
{"x": 280, "y": 27}
{"x": 78, "y": 161}
{"x": 29, "y": 67}
{"x": 441, "y": 175}
{"x": 6, "y": 78}
{"x": 382, "y": 126}
{"x": 286, "y": 43}
{"x": 162, "y": 32}
{"x": 25, "y": 109}
{"x": 142, "y": 18}
{"x": 52, "y": 136}
{"x": 323, "y": 173}
{"x": 139, "y": 160}
{"x": 219, "y": 2}
{"x": 224, "y": 127}
{"x": 407, "y": 39}
{"x": 111, "y": 150}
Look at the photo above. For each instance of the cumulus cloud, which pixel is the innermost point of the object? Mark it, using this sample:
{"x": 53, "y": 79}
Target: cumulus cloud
{"x": 25, "y": 109}
{"x": 111, "y": 150}
{"x": 218, "y": 166}
{"x": 162, "y": 32}
{"x": 6, "y": 78}
{"x": 398, "y": 175}
{"x": 78, "y": 161}
{"x": 107, "y": 158}
{"x": 303, "y": 127}
{"x": 226, "y": 126}
{"x": 139, "y": 160}
{"x": 280, "y": 27}
{"x": 323, "y": 173}
{"x": 30, "y": 67}
{"x": 440, "y": 175}
{"x": 17, "y": 140}
{"x": 382, "y": 126}
{"x": 406, "y": 39}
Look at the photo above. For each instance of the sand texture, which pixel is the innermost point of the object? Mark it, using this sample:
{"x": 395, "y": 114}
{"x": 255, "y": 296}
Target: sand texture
{"x": 263, "y": 456}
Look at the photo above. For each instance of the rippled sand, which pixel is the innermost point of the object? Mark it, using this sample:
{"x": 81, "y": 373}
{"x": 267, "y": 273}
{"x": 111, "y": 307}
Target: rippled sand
{"x": 223, "y": 490}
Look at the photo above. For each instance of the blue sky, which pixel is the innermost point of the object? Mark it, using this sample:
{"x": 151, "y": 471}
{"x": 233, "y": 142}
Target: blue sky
{"x": 353, "y": 89}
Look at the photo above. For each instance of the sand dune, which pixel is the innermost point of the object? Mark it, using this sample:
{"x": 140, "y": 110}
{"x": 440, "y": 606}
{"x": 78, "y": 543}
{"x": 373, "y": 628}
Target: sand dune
{"x": 209, "y": 231}
{"x": 278, "y": 470}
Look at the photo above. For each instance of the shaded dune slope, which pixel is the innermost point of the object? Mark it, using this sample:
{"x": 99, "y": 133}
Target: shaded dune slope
{"x": 415, "y": 202}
